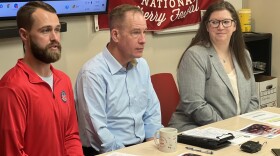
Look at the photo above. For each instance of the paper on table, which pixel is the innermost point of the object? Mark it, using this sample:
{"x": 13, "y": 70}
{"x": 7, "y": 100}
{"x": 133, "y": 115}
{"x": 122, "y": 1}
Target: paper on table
{"x": 204, "y": 133}
{"x": 119, "y": 154}
{"x": 262, "y": 130}
{"x": 263, "y": 116}
{"x": 212, "y": 132}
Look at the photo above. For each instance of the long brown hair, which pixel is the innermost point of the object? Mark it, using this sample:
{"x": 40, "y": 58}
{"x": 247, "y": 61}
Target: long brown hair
{"x": 237, "y": 44}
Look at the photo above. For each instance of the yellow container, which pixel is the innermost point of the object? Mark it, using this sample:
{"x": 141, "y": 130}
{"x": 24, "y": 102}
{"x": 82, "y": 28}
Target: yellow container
{"x": 245, "y": 20}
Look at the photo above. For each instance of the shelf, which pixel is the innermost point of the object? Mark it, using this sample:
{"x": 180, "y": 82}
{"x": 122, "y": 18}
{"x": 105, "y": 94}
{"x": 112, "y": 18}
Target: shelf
{"x": 259, "y": 46}
{"x": 258, "y": 72}
{"x": 254, "y": 36}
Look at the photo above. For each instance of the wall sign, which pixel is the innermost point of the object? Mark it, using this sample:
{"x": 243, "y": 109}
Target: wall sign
{"x": 162, "y": 14}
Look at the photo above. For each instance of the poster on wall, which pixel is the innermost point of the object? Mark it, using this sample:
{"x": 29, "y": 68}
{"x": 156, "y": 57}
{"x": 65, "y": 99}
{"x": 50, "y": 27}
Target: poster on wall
{"x": 162, "y": 14}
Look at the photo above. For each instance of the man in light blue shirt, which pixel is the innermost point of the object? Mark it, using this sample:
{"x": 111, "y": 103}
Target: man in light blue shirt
{"x": 115, "y": 100}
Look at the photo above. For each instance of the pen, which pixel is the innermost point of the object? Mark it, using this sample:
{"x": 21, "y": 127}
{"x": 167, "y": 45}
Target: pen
{"x": 200, "y": 150}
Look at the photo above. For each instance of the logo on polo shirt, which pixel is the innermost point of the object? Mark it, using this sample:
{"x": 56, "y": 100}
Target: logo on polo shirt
{"x": 63, "y": 96}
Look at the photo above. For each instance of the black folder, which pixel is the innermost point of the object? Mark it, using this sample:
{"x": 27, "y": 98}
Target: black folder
{"x": 208, "y": 143}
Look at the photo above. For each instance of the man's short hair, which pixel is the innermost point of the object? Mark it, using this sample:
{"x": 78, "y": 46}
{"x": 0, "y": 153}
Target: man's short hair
{"x": 24, "y": 14}
{"x": 117, "y": 15}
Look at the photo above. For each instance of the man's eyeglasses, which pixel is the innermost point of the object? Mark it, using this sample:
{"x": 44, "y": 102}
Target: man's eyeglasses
{"x": 226, "y": 23}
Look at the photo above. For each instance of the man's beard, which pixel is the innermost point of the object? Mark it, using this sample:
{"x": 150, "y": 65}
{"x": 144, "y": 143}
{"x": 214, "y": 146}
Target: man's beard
{"x": 46, "y": 55}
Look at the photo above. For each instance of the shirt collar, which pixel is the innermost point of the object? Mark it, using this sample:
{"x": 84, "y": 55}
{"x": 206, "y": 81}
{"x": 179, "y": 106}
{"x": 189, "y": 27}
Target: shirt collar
{"x": 113, "y": 65}
{"x": 32, "y": 76}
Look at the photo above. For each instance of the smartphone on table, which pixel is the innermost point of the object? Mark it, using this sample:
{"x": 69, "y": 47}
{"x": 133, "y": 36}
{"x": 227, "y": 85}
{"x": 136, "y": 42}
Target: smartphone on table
{"x": 276, "y": 151}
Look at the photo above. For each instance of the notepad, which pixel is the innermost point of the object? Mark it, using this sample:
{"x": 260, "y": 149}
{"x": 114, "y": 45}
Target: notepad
{"x": 205, "y": 138}
{"x": 212, "y": 133}
{"x": 209, "y": 133}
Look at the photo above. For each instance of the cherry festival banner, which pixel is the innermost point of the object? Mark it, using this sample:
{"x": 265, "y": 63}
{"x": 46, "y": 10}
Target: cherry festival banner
{"x": 162, "y": 14}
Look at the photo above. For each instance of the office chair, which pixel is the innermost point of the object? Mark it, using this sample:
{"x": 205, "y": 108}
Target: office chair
{"x": 168, "y": 95}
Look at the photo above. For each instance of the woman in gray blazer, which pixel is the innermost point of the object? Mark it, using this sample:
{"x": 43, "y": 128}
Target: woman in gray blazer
{"x": 215, "y": 76}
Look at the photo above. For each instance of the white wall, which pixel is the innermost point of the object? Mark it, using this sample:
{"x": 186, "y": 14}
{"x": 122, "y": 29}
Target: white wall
{"x": 80, "y": 43}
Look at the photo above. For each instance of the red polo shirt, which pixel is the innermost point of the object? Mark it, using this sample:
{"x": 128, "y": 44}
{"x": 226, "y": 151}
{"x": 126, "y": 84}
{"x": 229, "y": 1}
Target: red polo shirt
{"x": 34, "y": 120}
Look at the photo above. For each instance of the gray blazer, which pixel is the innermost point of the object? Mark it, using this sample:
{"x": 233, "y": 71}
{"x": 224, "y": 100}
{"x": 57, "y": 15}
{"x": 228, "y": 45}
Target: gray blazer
{"x": 206, "y": 94}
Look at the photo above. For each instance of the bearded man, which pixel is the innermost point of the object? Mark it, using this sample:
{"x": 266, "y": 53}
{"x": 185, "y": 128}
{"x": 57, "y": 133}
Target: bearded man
{"x": 37, "y": 110}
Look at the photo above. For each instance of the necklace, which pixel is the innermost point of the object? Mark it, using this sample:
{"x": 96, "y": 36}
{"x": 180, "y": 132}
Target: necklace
{"x": 224, "y": 60}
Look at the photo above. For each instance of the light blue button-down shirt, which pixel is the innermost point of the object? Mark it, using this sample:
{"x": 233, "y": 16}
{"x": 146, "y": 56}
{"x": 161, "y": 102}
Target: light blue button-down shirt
{"x": 115, "y": 106}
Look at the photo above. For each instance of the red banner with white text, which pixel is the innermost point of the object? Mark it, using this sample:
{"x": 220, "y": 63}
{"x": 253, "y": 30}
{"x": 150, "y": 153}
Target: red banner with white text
{"x": 162, "y": 14}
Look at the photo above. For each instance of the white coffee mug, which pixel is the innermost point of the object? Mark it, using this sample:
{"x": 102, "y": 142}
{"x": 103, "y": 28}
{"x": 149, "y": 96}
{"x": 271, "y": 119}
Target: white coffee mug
{"x": 166, "y": 139}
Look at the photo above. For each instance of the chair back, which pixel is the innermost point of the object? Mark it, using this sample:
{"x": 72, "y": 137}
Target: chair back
{"x": 168, "y": 95}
